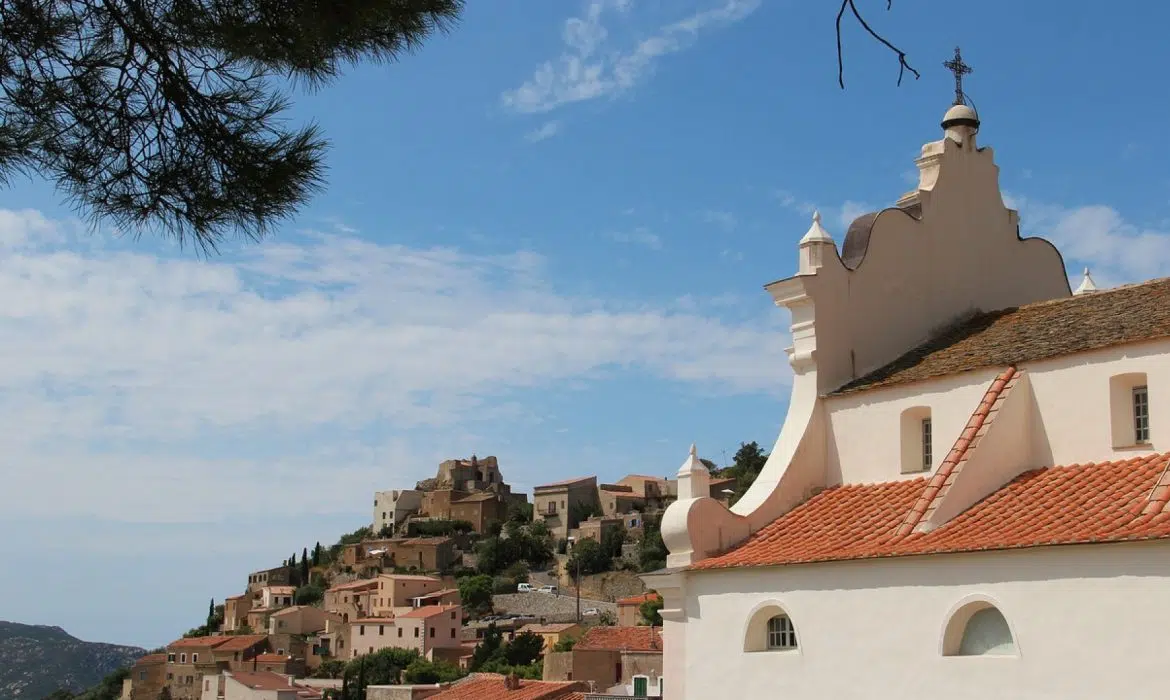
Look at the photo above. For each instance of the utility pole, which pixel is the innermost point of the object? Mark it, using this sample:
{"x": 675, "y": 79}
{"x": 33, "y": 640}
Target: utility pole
{"x": 578, "y": 586}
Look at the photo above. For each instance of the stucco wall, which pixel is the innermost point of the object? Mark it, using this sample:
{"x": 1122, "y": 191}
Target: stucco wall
{"x": 1087, "y": 622}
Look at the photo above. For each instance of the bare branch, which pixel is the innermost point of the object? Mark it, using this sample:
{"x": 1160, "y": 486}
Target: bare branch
{"x": 903, "y": 66}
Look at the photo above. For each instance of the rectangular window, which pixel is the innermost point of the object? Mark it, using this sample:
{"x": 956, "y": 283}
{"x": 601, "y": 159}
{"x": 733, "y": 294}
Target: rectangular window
{"x": 416, "y": 631}
{"x": 142, "y": 675}
{"x": 361, "y": 629}
{"x": 927, "y": 452}
{"x": 381, "y": 630}
{"x": 194, "y": 658}
{"x": 171, "y": 658}
{"x": 432, "y": 633}
{"x": 641, "y": 686}
{"x": 1141, "y": 414}
{"x": 182, "y": 658}
{"x": 399, "y": 631}
{"x": 452, "y": 633}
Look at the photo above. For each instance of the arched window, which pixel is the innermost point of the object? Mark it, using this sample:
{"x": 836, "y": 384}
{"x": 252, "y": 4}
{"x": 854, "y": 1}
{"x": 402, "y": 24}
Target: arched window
{"x": 770, "y": 628}
{"x": 978, "y": 629}
{"x": 781, "y": 633}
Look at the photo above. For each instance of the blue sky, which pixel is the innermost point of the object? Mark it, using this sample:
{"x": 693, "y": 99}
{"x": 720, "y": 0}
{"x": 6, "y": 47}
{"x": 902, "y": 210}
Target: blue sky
{"x": 544, "y": 238}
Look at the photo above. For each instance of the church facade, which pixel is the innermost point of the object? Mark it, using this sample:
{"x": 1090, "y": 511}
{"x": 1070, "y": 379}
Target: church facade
{"x": 969, "y": 494}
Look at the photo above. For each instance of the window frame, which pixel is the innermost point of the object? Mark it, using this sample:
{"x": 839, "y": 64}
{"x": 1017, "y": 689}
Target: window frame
{"x": 781, "y": 634}
{"x": 926, "y": 430}
{"x": 1140, "y": 408}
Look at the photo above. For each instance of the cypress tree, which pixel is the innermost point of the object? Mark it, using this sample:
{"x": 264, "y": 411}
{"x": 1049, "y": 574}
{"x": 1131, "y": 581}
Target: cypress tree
{"x": 317, "y": 554}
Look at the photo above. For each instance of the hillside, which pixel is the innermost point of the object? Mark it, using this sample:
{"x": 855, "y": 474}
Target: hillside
{"x": 38, "y": 660}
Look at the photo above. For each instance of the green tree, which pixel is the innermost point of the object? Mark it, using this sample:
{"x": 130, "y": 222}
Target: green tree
{"x": 383, "y": 667}
{"x": 317, "y": 554}
{"x": 422, "y": 671}
{"x": 523, "y": 649}
{"x": 651, "y": 612}
{"x": 612, "y": 541}
{"x": 749, "y": 460}
{"x": 566, "y": 644}
{"x": 490, "y": 648}
{"x": 210, "y": 613}
{"x": 309, "y": 595}
{"x": 520, "y": 512}
{"x": 651, "y": 550}
{"x": 172, "y": 114}
{"x": 588, "y": 558}
{"x": 331, "y": 668}
{"x": 60, "y": 694}
{"x": 305, "y": 565}
{"x": 164, "y": 694}
{"x": 475, "y": 592}
{"x": 108, "y": 688}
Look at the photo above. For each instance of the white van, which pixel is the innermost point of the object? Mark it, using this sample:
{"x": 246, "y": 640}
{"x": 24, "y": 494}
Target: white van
{"x": 550, "y": 589}
{"x": 524, "y": 588}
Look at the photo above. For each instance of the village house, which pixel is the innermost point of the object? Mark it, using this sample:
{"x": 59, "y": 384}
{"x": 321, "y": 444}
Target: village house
{"x": 554, "y": 633}
{"x": 423, "y": 553}
{"x": 491, "y": 686}
{"x": 656, "y": 492}
{"x": 235, "y": 611}
{"x": 597, "y": 528}
{"x": 299, "y": 619}
{"x": 396, "y": 593}
{"x": 191, "y": 658}
{"x": 614, "y": 660}
{"x": 279, "y": 576}
{"x": 146, "y": 679}
{"x": 968, "y": 496}
{"x": 276, "y": 597}
{"x": 392, "y": 508}
{"x": 256, "y": 685}
{"x": 629, "y": 610}
{"x": 481, "y": 508}
{"x": 332, "y": 642}
{"x": 424, "y": 629}
{"x": 619, "y": 499}
{"x": 560, "y": 505}
{"x": 352, "y": 600}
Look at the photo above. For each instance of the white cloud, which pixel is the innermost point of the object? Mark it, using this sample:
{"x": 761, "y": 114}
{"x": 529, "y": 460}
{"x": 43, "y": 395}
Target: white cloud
{"x": 588, "y": 68}
{"x": 637, "y": 236}
{"x": 545, "y": 131}
{"x": 722, "y": 219}
{"x": 1099, "y": 237}
{"x": 788, "y": 200}
{"x": 285, "y": 379}
{"x": 849, "y": 211}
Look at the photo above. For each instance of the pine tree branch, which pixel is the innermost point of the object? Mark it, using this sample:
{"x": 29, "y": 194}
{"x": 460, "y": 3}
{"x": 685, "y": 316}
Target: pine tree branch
{"x": 903, "y": 66}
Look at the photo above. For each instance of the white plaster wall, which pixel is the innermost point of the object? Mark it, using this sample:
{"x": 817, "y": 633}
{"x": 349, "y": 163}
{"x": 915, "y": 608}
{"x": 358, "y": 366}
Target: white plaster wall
{"x": 1068, "y": 418}
{"x": 1088, "y": 621}
{"x": 865, "y": 431}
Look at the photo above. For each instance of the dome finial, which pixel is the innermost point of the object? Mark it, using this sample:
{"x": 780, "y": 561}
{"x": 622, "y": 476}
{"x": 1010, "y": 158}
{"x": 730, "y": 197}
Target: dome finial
{"x": 816, "y": 233}
{"x": 694, "y": 452}
{"x": 1087, "y": 285}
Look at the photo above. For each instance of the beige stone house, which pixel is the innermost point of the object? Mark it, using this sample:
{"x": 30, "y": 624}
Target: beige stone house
{"x": 616, "y": 660}
{"x": 330, "y": 643}
{"x": 423, "y": 553}
{"x": 256, "y": 685}
{"x": 396, "y": 592}
{"x": 597, "y": 528}
{"x": 657, "y": 492}
{"x": 146, "y": 678}
{"x": 618, "y": 499}
{"x": 630, "y": 609}
{"x": 559, "y": 504}
{"x": 299, "y": 619}
{"x": 554, "y": 634}
{"x": 351, "y": 600}
{"x": 279, "y": 576}
{"x": 392, "y": 508}
{"x": 235, "y": 611}
{"x": 424, "y": 629}
{"x": 190, "y": 659}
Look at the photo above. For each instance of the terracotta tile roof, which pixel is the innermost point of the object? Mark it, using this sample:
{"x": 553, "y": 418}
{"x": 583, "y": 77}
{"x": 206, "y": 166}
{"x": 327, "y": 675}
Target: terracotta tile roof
{"x": 1077, "y": 504}
{"x": 616, "y": 488}
{"x": 437, "y": 594}
{"x": 373, "y": 621}
{"x": 622, "y": 639}
{"x": 281, "y": 590}
{"x": 639, "y": 599}
{"x": 490, "y": 686}
{"x": 241, "y": 642}
{"x": 261, "y": 680}
{"x": 409, "y": 577}
{"x": 273, "y": 658}
{"x": 354, "y": 585}
{"x": 429, "y": 611}
{"x": 199, "y": 642}
{"x": 566, "y": 482}
{"x": 151, "y": 659}
{"x": 1039, "y": 331}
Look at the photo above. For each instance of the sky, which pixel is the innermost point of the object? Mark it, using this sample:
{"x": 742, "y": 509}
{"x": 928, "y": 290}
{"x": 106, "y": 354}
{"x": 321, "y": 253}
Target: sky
{"x": 544, "y": 238}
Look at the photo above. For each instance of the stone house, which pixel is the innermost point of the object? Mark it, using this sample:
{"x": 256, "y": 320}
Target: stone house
{"x": 279, "y": 576}
{"x": 629, "y": 610}
{"x": 972, "y": 479}
{"x": 614, "y": 659}
{"x": 480, "y": 508}
{"x": 256, "y": 685}
{"x": 351, "y": 600}
{"x": 657, "y": 492}
{"x": 396, "y": 592}
{"x": 299, "y": 619}
{"x": 235, "y": 611}
{"x": 329, "y": 643}
{"x": 424, "y": 553}
{"x": 560, "y": 504}
{"x": 392, "y": 508}
{"x": 619, "y": 499}
{"x": 424, "y": 629}
{"x": 491, "y": 686}
{"x": 190, "y": 659}
{"x": 597, "y": 528}
{"x": 146, "y": 679}
{"x": 554, "y": 634}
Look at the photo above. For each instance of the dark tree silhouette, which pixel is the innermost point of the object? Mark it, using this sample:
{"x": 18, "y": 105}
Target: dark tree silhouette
{"x": 168, "y": 113}
{"x": 849, "y": 5}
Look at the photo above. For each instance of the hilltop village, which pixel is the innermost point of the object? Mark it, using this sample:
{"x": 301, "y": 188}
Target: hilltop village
{"x": 459, "y": 575}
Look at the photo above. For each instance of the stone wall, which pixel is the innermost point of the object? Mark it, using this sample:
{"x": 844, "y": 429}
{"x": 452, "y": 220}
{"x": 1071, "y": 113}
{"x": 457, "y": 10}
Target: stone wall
{"x": 558, "y": 665}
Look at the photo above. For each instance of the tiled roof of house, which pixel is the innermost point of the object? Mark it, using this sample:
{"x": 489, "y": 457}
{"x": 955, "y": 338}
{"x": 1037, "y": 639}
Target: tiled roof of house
{"x": 639, "y": 599}
{"x": 1078, "y": 504}
{"x": 438, "y": 594}
{"x": 261, "y": 680}
{"x": 622, "y": 638}
{"x": 616, "y": 488}
{"x": 409, "y": 577}
{"x": 281, "y": 590}
{"x": 273, "y": 658}
{"x": 567, "y": 482}
{"x": 354, "y": 585}
{"x": 428, "y": 611}
{"x": 199, "y": 642}
{"x": 490, "y": 686}
{"x": 1033, "y": 332}
{"x": 241, "y": 642}
{"x": 151, "y": 659}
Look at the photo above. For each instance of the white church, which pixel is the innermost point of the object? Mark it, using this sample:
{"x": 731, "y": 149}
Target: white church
{"x": 968, "y": 496}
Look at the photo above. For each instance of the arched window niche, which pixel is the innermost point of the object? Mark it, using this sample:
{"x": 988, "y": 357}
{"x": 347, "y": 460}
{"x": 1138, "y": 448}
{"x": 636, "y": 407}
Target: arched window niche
{"x": 977, "y": 627}
{"x": 771, "y": 629}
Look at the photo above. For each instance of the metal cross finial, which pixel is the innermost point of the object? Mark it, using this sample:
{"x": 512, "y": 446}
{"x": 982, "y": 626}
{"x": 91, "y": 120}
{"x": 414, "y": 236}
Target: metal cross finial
{"x": 960, "y": 69}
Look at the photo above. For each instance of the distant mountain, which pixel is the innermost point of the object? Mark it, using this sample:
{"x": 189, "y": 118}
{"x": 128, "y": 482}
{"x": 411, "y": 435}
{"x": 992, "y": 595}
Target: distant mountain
{"x": 36, "y": 660}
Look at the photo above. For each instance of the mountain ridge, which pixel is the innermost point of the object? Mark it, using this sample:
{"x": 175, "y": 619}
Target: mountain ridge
{"x": 40, "y": 659}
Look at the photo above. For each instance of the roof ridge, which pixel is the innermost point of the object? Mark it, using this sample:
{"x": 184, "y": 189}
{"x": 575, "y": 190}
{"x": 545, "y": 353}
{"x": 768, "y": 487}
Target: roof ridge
{"x": 977, "y": 426}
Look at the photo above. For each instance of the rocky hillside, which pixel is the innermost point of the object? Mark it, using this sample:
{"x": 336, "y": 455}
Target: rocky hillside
{"x": 36, "y": 660}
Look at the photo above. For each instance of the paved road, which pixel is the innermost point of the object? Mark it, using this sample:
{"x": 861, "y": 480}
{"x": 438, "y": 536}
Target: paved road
{"x": 554, "y": 608}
